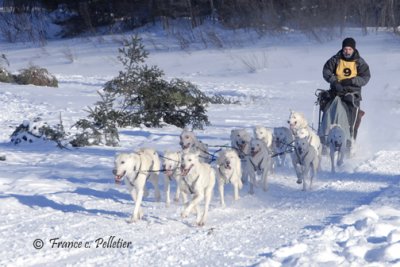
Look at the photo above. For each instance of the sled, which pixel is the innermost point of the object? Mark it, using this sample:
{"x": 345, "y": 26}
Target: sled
{"x": 333, "y": 111}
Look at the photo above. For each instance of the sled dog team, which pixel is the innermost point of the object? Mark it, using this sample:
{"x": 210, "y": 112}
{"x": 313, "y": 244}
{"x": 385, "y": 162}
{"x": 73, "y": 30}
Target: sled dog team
{"x": 249, "y": 159}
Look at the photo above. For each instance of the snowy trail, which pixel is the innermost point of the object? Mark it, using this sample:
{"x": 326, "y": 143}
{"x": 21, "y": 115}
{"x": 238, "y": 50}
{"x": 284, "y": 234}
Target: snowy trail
{"x": 51, "y": 191}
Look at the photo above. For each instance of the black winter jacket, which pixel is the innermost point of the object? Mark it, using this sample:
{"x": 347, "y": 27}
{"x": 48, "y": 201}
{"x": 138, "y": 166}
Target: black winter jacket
{"x": 363, "y": 73}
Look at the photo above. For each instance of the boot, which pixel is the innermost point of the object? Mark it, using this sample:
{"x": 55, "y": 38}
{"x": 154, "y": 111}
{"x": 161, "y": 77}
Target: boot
{"x": 360, "y": 114}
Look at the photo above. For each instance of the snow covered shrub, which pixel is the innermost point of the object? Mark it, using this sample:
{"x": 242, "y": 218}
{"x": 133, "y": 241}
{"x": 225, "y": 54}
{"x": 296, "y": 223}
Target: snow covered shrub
{"x": 142, "y": 96}
{"x": 101, "y": 129}
{"x": 38, "y": 131}
{"x": 5, "y": 76}
{"x": 92, "y": 135}
{"x": 36, "y": 76}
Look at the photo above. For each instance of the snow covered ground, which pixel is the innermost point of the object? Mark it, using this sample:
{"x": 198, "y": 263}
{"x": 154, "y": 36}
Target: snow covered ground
{"x": 351, "y": 218}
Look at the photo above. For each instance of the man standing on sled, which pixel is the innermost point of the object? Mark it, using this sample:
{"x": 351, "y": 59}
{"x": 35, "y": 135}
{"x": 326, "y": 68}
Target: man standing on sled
{"x": 347, "y": 72}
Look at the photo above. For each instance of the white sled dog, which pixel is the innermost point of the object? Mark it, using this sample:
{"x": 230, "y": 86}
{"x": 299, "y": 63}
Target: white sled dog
{"x": 172, "y": 171}
{"x": 337, "y": 143}
{"x": 260, "y": 160}
{"x": 135, "y": 168}
{"x": 199, "y": 179}
{"x": 190, "y": 143}
{"x": 240, "y": 141}
{"x": 282, "y": 142}
{"x": 313, "y": 139}
{"x": 297, "y": 121}
{"x": 264, "y": 134}
{"x": 305, "y": 159}
{"x": 300, "y": 129}
{"x": 229, "y": 171}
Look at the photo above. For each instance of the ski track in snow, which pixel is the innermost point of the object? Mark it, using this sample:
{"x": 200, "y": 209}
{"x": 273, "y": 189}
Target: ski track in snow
{"x": 48, "y": 193}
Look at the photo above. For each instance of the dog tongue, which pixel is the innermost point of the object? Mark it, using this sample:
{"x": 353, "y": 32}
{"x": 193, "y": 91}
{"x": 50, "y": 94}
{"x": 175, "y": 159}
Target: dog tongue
{"x": 184, "y": 171}
{"x": 117, "y": 179}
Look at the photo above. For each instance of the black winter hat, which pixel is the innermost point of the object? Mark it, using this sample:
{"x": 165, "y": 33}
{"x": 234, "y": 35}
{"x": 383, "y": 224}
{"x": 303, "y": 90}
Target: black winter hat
{"x": 349, "y": 42}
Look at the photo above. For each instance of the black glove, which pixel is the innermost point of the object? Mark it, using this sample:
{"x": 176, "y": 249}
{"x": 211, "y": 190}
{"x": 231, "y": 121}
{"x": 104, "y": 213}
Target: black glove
{"x": 347, "y": 82}
{"x": 337, "y": 86}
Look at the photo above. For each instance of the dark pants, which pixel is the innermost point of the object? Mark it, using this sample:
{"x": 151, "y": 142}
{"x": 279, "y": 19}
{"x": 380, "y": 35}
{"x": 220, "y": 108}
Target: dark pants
{"x": 354, "y": 113}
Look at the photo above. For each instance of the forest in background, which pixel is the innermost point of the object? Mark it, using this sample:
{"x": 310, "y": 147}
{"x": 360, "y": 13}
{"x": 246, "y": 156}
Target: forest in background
{"x": 30, "y": 20}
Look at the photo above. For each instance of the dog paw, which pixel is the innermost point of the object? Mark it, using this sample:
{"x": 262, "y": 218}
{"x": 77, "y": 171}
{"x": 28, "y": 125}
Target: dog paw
{"x": 201, "y": 223}
{"x": 299, "y": 181}
{"x": 184, "y": 214}
{"x": 132, "y": 220}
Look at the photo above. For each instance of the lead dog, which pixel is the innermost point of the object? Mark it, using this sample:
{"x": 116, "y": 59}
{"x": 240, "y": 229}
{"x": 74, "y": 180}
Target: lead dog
{"x": 135, "y": 169}
{"x": 337, "y": 143}
{"x": 190, "y": 143}
{"x": 199, "y": 179}
{"x": 305, "y": 159}
{"x": 172, "y": 171}
{"x": 260, "y": 160}
{"x": 229, "y": 171}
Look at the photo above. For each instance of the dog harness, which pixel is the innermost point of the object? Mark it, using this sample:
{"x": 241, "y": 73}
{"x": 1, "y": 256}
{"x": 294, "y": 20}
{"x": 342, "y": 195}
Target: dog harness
{"x": 137, "y": 173}
{"x": 190, "y": 187}
{"x": 227, "y": 180}
{"x": 258, "y": 166}
{"x": 301, "y": 159}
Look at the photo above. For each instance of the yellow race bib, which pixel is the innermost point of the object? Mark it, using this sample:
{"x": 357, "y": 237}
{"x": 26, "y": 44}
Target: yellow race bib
{"x": 346, "y": 70}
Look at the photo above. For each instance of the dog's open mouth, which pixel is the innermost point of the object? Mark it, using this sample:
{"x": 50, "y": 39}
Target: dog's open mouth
{"x": 118, "y": 178}
{"x": 185, "y": 172}
{"x": 184, "y": 147}
{"x": 338, "y": 145}
{"x": 242, "y": 146}
{"x": 254, "y": 152}
{"x": 169, "y": 172}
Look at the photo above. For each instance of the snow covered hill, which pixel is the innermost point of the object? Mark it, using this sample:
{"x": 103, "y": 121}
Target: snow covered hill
{"x": 351, "y": 218}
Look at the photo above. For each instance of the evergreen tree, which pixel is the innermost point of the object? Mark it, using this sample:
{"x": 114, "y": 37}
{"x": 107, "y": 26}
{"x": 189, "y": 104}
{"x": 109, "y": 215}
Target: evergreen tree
{"x": 139, "y": 95}
{"x": 144, "y": 97}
